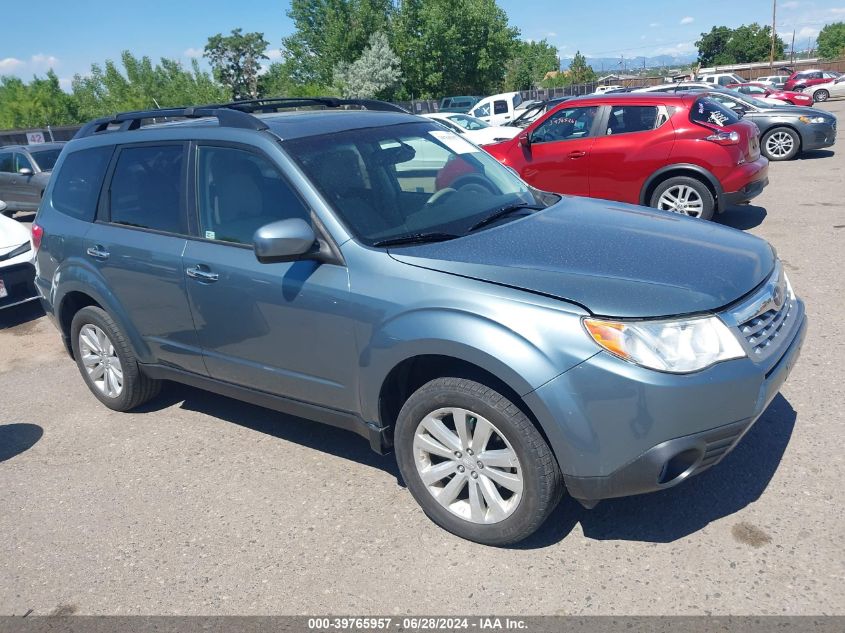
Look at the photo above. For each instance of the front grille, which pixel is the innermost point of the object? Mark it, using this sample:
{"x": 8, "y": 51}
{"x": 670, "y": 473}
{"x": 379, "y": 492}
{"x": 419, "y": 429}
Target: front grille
{"x": 762, "y": 330}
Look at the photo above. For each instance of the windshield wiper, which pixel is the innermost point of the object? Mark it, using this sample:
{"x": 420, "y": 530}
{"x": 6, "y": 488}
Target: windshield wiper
{"x": 416, "y": 238}
{"x": 502, "y": 212}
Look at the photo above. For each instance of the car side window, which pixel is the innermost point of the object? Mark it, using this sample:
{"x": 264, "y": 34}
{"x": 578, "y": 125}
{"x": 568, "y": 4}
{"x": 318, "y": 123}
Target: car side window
{"x": 239, "y": 191}
{"x": 6, "y": 162}
{"x": 500, "y": 107}
{"x": 78, "y": 182}
{"x": 627, "y": 119}
{"x": 482, "y": 110}
{"x": 566, "y": 124}
{"x": 146, "y": 188}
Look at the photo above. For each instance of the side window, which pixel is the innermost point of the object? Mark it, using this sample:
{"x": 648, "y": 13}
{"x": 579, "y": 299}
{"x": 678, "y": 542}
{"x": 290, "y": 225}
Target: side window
{"x": 21, "y": 162}
{"x": 627, "y": 119}
{"x": 78, "y": 182}
{"x": 6, "y": 162}
{"x": 724, "y": 81}
{"x": 238, "y": 192}
{"x": 500, "y": 107}
{"x": 482, "y": 110}
{"x": 565, "y": 125}
{"x": 146, "y": 188}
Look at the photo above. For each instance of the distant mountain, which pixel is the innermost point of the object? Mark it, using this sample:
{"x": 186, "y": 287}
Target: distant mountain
{"x": 606, "y": 65}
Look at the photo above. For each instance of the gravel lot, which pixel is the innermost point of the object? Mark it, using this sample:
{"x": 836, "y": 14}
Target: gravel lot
{"x": 202, "y": 505}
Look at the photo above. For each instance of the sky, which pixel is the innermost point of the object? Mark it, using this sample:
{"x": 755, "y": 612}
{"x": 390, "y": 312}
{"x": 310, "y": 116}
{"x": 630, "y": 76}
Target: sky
{"x": 69, "y": 36}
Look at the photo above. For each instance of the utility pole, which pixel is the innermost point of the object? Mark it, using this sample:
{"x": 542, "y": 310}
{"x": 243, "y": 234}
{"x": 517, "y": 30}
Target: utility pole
{"x": 774, "y": 35}
{"x": 792, "y": 52}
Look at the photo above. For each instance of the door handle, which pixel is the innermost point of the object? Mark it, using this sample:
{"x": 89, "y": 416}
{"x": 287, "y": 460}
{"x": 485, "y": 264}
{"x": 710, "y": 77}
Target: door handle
{"x": 578, "y": 154}
{"x": 98, "y": 252}
{"x": 200, "y": 272}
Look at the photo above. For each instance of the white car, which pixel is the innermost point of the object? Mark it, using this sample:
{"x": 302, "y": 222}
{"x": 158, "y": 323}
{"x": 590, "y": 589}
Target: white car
{"x": 602, "y": 89}
{"x": 721, "y": 79}
{"x": 829, "y": 90}
{"x": 473, "y": 129}
{"x": 775, "y": 81}
{"x": 499, "y": 109}
{"x": 17, "y": 262}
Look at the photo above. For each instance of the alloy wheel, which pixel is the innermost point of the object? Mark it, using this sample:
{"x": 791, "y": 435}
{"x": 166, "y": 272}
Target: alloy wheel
{"x": 821, "y": 95}
{"x": 780, "y": 144}
{"x": 467, "y": 465}
{"x": 100, "y": 360}
{"x": 681, "y": 199}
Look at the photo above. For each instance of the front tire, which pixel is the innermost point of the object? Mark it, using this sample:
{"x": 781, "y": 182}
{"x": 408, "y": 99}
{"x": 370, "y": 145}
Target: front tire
{"x": 821, "y": 95}
{"x": 686, "y": 196}
{"x": 780, "y": 143}
{"x": 107, "y": 362}
{"x": 475, "y": 463}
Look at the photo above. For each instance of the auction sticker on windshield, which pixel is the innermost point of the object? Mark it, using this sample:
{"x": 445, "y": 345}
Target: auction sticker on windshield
{"x": 454, "y": 142}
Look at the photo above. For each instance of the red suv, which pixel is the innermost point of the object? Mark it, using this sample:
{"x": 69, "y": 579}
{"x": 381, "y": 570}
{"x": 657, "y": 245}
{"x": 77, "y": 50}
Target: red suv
{"x": 681, "y": 152}
{"x": 805, "y": 78}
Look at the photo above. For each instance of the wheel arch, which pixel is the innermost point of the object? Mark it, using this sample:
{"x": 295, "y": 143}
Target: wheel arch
{"x": 683, "y": 169}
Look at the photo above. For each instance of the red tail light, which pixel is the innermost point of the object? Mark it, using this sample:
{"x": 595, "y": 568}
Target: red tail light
{"x": 724, "y": 137}
{"x": 37, "y": 234}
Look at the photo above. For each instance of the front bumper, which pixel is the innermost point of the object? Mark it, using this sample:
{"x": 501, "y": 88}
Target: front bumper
{"x": 817, "y": 136}
{"x": 19, "y": 282}
{"x": 619, "y": 429}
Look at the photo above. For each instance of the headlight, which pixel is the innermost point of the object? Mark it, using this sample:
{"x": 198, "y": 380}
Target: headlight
{"x": 20, "y": 250}
{"x": 811, "y": 119}
{"x": 672, "y": 346}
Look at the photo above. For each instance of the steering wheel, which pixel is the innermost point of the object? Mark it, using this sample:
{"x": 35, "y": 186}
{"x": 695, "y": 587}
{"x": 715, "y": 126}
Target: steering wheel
{"x": 474, "y": 184}
{"x": 438, "y": 195}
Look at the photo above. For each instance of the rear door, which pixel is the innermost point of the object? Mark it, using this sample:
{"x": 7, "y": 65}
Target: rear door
{"x": 137, "y": 242}
{"x": 558, "y": 157}
{"x": 635, "y": 140}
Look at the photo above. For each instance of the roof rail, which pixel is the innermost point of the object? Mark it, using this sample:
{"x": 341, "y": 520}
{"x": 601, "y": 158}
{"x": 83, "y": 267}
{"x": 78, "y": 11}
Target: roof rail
{"x": 234, "y": 114}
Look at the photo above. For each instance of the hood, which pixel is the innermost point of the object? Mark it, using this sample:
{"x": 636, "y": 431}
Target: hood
{"x": 492, "y": 134}
{"x": 12, "y": 233}
{"x": 613, "y": 259}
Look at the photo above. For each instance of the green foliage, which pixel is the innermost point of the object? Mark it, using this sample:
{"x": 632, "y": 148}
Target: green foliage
{"x": 529, "y": 64}
{"x": 744, "y": 44}
{"x": 831, "y": 41}
{"x": 371, "y": 75}
{"x": 580, "y": 72}
{"x": 39, "y": 103}
{"x": 236, "y": 61}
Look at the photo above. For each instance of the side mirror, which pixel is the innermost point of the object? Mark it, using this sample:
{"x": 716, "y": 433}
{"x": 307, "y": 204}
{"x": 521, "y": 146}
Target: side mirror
{"x": 524, "y": 139}
{"x": 284, "y": 241}
{"x": 25, "y": 171}
{"x": 739, "y": 110}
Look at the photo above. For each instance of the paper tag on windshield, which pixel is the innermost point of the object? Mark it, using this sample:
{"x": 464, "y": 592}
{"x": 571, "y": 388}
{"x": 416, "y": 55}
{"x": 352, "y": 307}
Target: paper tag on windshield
{"x": 454, "y": 142}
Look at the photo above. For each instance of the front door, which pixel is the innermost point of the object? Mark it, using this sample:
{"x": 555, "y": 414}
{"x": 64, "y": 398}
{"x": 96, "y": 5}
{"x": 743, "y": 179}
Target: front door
{"x": 558, "y": 157}
{"x": 283, "y": 328}
{"x": 25, "y": 189}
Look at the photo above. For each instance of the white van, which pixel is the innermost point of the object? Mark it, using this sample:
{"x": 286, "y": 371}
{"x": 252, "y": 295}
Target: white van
{"x": 498, "y": 109}
{"x": 722, "y": 79}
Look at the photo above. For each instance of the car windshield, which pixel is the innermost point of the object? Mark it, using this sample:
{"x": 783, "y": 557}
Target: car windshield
{"x": 468, "y": 122}
{"x": 45, "y": 158}
{"x": 737, "y": 98}
{"x": 412, "y": 180}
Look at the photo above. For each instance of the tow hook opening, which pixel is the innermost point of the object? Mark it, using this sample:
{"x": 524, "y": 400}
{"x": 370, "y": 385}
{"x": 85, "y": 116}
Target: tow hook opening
{"x": 679, "y": 467}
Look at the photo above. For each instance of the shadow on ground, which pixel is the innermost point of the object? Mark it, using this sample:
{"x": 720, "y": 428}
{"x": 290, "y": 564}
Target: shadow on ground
{"x": 744, "y": 217}
{"x": 18, "y": 315}
{"x": 18, "y": 438}
{"x": 660, "y": 517}
{"x": 815, "y": 154}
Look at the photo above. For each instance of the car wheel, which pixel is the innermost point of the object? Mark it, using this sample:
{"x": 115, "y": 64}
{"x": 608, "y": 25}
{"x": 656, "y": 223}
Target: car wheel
{"x": 475, "y": 462}
{"x": 107, "y": 363}
{"x": 799, "y": 88}
{"x": 821, "y": 95}
{"x": 780, "y": 143}
{"x": 684, "y": 195}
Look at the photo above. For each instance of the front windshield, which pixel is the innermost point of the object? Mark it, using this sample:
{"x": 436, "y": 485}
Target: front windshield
{"x": 740, "y": 99}
{"x": 468, "y": 122}
{"x": 408, "y": 179}
{"x": 46, "y": 158}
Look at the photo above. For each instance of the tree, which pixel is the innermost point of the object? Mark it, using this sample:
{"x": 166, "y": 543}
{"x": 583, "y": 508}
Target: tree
{"x": 744, "y": 44}
{"x": 831, "y": 41}
{"x": 529, "y": 64}
{"x": 39, "y": 103}
{"x": 327, "y": 33}
{"x": 236, "y": 61}
{"x": 580, "y": 72}
{"x": 372, "y": 74}
{"x": 452, "y": 46}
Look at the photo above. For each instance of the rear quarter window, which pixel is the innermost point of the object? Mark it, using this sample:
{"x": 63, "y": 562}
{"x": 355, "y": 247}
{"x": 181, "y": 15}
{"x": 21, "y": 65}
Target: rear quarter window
{"x": 78, "y": 182}
{"x": 709, "y": 112}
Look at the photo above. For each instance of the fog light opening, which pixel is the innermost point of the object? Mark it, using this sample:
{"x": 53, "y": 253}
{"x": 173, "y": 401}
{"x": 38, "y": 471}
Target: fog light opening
{"x": 679, "y": 466}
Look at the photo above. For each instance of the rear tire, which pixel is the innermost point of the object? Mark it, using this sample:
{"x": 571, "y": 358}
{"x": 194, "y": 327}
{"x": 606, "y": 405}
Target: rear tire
{"x": 780, "y": 143}
{"x": 107, "y": 362}
{"x": 498, "y": 502}
{"x": 686, "y": 196}
{"x": 821, "y": 95}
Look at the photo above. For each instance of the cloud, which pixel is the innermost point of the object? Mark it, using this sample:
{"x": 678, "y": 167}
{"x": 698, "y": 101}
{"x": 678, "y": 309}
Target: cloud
{"x": 274, "y": 54}
{"x": 10, "y": 63}
{"x": 837, "y": 10}
{"x": 790, "y": 5}
{"x": 551, "y": 34}
{"x": 193, "y": 52}
{"x": 654, "y": 25}
{"x": 807, "y": 31}
{"x": 687, "y": 20}
{"x": 40, "y": 60}
{"x": 683, "y": 48}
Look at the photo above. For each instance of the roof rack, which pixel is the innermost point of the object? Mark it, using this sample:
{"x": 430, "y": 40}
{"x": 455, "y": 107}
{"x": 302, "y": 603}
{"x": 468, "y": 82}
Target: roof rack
{"x": 234, "y": 114}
